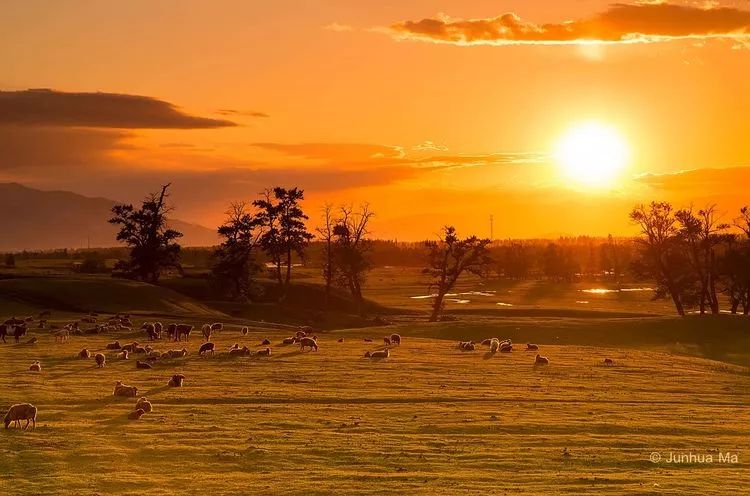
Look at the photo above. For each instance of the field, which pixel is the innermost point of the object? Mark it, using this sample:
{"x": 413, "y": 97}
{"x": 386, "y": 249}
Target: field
{"x": 428, "y": 420}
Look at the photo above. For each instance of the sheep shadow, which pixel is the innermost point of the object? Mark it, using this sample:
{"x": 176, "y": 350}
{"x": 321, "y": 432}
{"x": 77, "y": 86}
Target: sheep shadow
{"x": 488, "y": 355}
{"x": 74, "y": 372}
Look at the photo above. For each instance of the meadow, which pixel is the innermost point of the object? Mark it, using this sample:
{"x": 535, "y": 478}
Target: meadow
{"x": 430, "y": 419}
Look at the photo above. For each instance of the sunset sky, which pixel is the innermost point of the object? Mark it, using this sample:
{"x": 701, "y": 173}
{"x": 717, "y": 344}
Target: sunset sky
{"x": 433, "y": 111}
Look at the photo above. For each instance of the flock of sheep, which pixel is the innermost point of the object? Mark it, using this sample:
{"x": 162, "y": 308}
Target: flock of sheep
{"x": 154, "y": 332}
{"x": 178, "y": 332}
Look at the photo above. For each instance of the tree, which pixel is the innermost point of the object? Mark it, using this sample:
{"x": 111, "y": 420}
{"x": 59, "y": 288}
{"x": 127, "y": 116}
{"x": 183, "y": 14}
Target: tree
{"x": 351, "y": 249}
{"x": 326, "y": 236}
{"x": 284, "y": 228}
{"x": 660, "y": 250}
{"x": 234, "y": 259}
{"x": 559, "y": 264}
{"x": 451, "y": 257}
{"x": 702, "y": 233}
{"x": 153, "y": 246}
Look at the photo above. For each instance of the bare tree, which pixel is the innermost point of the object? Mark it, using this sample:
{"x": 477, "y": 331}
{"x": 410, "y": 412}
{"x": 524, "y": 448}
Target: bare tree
{"x": 351, "y": 249}
{"x": 326, "y": 235}
{"x": 451, "y": 257}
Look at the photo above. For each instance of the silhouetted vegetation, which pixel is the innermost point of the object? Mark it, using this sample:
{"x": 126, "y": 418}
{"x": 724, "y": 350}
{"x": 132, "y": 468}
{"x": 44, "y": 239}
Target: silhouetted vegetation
{"x": 153, "y": 246}
{"x": 449, "y": 259}
{"x": 235, "y": 262}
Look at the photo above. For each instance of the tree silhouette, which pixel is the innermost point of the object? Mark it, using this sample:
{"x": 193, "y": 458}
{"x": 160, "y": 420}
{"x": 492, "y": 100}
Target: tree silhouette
{"x": 283, "y": 221}
{"x": 152, "y": 243}
{"x": 451, "y": 257}
{"x": 351, "y": 249}
{"x": 234, "y": 259}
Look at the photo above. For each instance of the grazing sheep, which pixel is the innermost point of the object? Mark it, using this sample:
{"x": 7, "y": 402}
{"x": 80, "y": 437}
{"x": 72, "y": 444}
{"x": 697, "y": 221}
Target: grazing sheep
{"x": 176, "y": 380}
{"x": 289, "y": 340}
{"x": 340, "y": 340}
{"x": 150, "y": 330}
{"x": 494, "y": 345}
{"x": 131, "y": 346}
{"x": 177, "y": 353}
{"x": 179, "y": 330}
{"x": 153, "y": 355}
{"x": 540, "y": 360}
{"x": 84, "y": 354}
{"x": 368, "y": 340}
{"x": 19, "y": 412}
{"x": 216, "y": 327}
{"x": 142, "y": 365}
{"x": 206, "y": 331}
{"x": 265, "y": 352}
{"x": 506, "y": 348}
{"x": 301, "y": 334}
{"x": 18, "y": 332}
{"x": 100, "y": 360}
{"x": 239, "y": 351}
{"x": 144, "y": 404}
{"x": 114, "y": 346}
{"x": 136, "y": 414}
{"x": 308, "y": 343}
{"x": 33, "y": 340}
{"x": 467, "y": 346}
{"x": 396, "y": 339}
{"x": 387, "y": 341}
{"x": 609, "y": 361}
{"x": 158, "y": 327}
{"x": 265, "y": 342}
{"x": 139, "y": 349}
{"x": 380, "y": 354}
{"x": 532, "y": 347}
{"x": 36, "y": 367}
{"x": 306, "y": 329}
{"x": 488, "y": 341}
{"x": 244, "y": 331}
{"x": 124, "y": 354}
{"x": 205, "y": 348}
{"x": 235, "y": 346}
{"x": 123, "y": 390}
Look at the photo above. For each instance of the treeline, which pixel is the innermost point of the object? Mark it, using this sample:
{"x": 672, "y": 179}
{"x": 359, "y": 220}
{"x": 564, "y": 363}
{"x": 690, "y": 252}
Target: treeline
{"x": 694, "y": 256}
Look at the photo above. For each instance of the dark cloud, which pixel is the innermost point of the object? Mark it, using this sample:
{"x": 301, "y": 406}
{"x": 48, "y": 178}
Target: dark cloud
{"x": 25, "y": 148}
{"x": 247, "y": 113}
{"x": 43, "y": 107}
{"x": 636, "y": 22}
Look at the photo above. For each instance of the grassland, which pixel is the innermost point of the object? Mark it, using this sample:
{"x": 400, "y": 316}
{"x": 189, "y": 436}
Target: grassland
{"x": 428, "y": 420}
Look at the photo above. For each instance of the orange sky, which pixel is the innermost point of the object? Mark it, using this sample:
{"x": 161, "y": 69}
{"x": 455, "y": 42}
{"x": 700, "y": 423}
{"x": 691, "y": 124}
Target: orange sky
{"x": 435, "y": 112}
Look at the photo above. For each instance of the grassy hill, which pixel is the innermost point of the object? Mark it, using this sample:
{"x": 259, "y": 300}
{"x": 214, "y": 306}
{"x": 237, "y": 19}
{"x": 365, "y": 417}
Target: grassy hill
{"x": 29, "y": 295}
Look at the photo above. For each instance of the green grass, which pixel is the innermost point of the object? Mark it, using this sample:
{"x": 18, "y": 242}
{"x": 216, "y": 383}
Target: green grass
{"x": 429, "y": 420}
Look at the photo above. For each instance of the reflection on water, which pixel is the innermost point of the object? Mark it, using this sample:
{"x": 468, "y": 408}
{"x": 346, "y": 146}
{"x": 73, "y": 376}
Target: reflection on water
{"x": 453, "y": 295}
{"x": 621, "y": 290}
{"x": 582, "y": 302}
{"x": 504, "y": 304}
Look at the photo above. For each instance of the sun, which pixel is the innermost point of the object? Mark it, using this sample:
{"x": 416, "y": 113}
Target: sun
{"x": 592, "y": 154}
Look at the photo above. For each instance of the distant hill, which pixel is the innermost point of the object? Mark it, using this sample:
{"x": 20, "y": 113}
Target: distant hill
{"x": 41, "y": 220}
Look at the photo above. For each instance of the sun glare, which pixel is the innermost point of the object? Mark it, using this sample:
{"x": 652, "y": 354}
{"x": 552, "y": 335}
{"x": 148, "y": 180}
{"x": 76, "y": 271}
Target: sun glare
{"x": 592, "y": 154}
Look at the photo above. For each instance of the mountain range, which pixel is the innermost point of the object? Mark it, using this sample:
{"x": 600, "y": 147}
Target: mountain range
{"x": 32, "y": 219}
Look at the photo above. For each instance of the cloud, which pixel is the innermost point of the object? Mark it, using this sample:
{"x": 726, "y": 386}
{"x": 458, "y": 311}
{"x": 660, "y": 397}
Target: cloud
{"x": 247, "y": 113}
{"x": 350, "y": 153}
{"x": 620, "y": 23}
{"x": 338, "y": 27}
{"x": 44, "y": 107}
{"x": 25, "y": 148}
